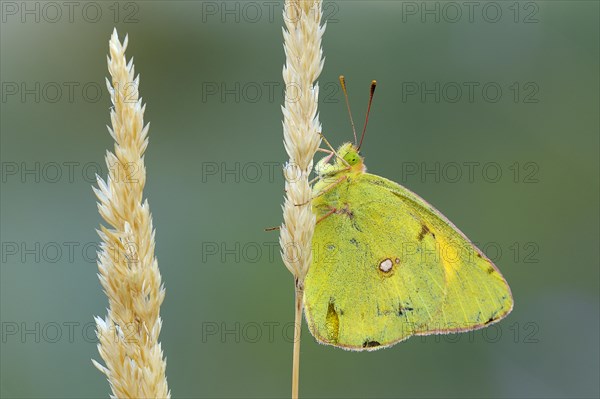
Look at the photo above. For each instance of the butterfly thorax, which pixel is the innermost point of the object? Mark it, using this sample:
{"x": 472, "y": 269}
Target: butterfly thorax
{"x": 342, "y": 170}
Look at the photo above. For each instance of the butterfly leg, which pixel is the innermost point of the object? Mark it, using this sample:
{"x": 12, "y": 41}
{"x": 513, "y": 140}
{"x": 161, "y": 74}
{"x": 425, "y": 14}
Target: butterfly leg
{"x": 326, "y": 189}
{"x": 326, "y": 142}
{"x": 329, "y": 213}
{"x": 333, "y": 150}
{"x": 328, "y": 157}
{"x": 313, "y": 180}
{"x": 325, "y": 216}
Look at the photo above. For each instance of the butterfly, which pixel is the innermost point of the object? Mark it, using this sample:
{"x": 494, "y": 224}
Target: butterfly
{"x": 387, "y": 265}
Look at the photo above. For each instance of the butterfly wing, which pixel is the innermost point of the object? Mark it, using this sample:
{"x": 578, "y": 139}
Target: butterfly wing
{"x": 387, "y": 265}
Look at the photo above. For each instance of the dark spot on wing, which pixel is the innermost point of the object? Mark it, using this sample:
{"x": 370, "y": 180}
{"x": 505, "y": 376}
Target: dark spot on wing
{"x": 489, "y": 321}
{"x": 479, "y": 255}
{"x": 403, "y": 309}
{"x": 350, "y": 214}
{"x": 346, "y": 211}
{"x": 370, "y": 344}
{"x": 354, "y": 242}
{"x": 399, "y": 311}
{"x": 380, "y": 313}
{"x": 424, "y": 231}
{"x": 490, "y": 270}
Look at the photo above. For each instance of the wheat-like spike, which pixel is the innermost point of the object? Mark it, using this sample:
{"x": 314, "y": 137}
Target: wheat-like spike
{"x": 128, "y": 270}
{"x": 301, "y": 127}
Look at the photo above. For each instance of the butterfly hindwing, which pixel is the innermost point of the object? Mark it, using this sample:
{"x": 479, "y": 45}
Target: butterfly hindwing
{"x": 387, "y": 265}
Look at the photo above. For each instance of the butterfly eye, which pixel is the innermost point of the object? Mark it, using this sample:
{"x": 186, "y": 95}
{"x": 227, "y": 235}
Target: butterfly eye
{"x": 352, "y": 158}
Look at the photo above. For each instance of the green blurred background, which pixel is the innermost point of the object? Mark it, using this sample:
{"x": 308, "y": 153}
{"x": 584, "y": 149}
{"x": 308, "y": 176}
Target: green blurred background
{"x": 211, "y": 77}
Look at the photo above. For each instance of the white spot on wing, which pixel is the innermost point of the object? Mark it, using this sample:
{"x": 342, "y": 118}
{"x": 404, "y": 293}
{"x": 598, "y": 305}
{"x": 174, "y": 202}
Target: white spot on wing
{"x": 386, "y": 265}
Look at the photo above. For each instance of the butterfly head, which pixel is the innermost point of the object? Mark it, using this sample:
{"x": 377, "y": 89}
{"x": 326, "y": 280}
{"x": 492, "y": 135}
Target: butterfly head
{"x": 348, "y": 161}
{"x": 349, "y": 156}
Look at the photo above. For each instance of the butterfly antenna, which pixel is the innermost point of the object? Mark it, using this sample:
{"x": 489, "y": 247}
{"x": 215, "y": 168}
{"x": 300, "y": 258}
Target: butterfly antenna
{"x": 373, "y": 86}
{"x": 343, "y": 83}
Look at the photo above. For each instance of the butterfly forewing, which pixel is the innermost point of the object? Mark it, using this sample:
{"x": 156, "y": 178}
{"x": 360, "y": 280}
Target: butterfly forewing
{"x": 387, "y": 265}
